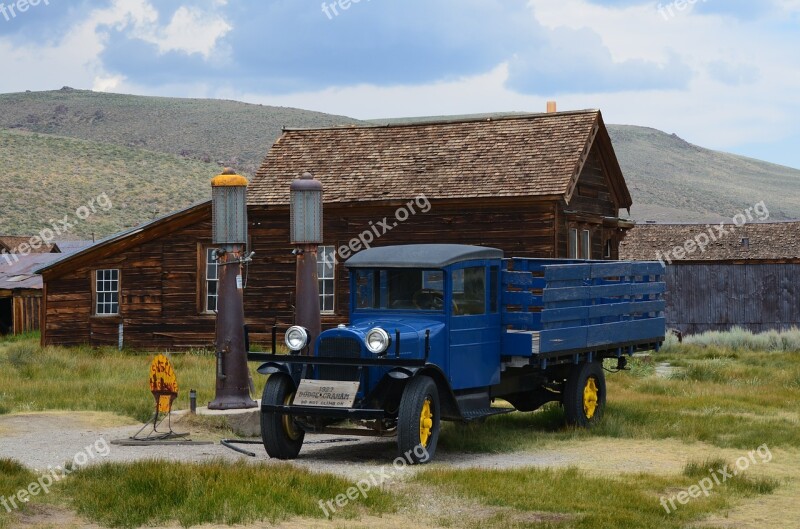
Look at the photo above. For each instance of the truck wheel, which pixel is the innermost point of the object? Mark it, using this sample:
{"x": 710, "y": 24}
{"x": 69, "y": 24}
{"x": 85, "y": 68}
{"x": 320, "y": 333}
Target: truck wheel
{"x": 418, "y": 420}
{"x": 281, "y": 436}
{"x": 585, "y": 395}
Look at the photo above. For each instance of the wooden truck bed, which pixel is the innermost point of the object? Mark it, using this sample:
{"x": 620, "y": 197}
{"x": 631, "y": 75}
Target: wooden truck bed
{"x": 554, "y": 308}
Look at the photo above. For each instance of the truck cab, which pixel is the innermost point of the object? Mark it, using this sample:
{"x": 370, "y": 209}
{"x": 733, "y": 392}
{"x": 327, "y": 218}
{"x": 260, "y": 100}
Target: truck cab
{"x": 440, "y": 332}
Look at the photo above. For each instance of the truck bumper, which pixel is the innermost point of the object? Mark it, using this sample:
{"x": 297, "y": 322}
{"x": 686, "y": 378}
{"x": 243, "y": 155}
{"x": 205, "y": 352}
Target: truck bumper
{"x": 324, "y": 411}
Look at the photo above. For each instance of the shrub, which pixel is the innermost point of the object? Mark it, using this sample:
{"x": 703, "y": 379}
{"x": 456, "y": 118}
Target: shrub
{"x": 739, "y": 339}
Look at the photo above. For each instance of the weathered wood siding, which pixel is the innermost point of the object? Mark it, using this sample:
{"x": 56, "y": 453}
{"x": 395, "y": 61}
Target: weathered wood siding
{"x": 717, "y": 296}
{"x": 26, "y": 310}
{"x": 590, "y": 203}
{"x": 160, "y": 279}
{"x": 158, "y": 297}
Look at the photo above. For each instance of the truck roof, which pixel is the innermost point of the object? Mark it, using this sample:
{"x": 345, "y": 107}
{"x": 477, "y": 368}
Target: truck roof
{"x": 420, "y": 256}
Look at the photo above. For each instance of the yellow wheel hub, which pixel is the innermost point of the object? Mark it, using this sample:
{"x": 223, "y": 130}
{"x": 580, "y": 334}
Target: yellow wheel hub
{"x": 292, "y": 431}
{"x": 590, "y": 397}
{"x": 425, "y": 422}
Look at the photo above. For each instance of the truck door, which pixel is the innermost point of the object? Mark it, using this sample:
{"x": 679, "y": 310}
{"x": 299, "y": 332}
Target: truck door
{"x": 474, "y": 325}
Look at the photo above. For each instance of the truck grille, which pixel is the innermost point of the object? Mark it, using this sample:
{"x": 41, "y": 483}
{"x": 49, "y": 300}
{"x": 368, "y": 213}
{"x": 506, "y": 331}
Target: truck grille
{"x": 339, "y": 348}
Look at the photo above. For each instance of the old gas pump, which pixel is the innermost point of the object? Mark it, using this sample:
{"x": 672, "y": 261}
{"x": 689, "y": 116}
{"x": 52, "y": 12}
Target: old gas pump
{"x": 306, "y": 236}
{"x": 229, "y": 219}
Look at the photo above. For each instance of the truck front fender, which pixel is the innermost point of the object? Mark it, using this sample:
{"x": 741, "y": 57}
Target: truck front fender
{"x": 447, "y": 399}
{"x": 403, "y": 373}
{"x": 270, "y": 368}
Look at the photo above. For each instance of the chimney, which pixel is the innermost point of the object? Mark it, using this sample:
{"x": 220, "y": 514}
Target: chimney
{"x": 551, "y": 107}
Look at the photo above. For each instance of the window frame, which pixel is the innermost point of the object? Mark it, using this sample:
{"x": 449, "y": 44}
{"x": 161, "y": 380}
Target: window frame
{"x": 206, "y": 249}
{"x": 321, "y": 280}
{"x": 586, "y": 244}
{"x": 483, "y": 274}
{"x": 572, "y": 243}
{"x": 96, "y": 293}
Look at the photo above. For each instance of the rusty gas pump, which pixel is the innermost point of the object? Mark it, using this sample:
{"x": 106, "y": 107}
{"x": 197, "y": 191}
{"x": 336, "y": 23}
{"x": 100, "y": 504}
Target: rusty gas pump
{"x": 229, "y": 219}
{"x": 306, "y": 236}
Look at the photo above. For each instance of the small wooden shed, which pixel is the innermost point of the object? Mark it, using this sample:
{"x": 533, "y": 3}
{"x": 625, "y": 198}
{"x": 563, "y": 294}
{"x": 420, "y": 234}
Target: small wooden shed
{"x": 11, "y": 245}
{"x": 21, "y": 292}
{"x": 744, "y": 276}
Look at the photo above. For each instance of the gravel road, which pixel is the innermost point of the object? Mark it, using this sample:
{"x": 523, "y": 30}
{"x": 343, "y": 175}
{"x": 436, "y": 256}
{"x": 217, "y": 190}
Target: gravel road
{"x": 39, "y": 440}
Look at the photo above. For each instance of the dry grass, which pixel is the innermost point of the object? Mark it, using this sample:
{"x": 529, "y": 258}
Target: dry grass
{"x": 88, "y": 379}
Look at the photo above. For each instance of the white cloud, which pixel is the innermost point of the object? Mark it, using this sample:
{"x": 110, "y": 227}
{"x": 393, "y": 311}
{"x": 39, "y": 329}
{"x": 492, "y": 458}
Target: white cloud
{"x": 190, "y": 31}
{"x": 111, "y": 83}
{"x": 74, "y": 59}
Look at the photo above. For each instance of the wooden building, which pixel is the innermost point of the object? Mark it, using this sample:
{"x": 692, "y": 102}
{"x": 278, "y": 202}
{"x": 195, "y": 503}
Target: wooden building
{"x": 21, "y": 292}
{"x": 11, "y": 245}
{"x": 541, "y": 185}
{"x": 747, "y": 277}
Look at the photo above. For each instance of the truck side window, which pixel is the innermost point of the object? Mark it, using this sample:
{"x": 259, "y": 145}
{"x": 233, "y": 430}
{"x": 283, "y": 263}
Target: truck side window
{"x": 366, "y": 289}
{"x": 469, "y": 291}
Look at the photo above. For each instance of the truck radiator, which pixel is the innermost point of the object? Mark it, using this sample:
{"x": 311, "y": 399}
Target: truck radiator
{"x": 339, "y": 348}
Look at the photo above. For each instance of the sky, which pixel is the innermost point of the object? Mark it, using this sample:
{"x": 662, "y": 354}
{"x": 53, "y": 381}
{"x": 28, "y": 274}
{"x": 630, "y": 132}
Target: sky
{"x": 724, "y": 74}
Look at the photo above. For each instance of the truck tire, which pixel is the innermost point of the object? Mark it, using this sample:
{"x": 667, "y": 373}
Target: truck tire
{"x": 418, "y": 421}
{"x": 585, "y": 395}
{"x": 281, "y": 437}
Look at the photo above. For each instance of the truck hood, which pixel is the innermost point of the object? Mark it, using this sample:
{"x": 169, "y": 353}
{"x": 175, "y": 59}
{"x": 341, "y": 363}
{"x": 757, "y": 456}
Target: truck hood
{"x": 412, "y": 333}
{"x": 390, "y": 325}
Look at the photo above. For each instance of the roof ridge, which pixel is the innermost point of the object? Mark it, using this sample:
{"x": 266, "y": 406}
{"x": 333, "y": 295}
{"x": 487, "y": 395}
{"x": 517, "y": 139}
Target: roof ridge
{"x": 712, "y": 223}
{"x": 444, "y": 121}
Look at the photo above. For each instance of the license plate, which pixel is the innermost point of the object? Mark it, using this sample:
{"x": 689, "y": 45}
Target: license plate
{"x": 329, "y": 393}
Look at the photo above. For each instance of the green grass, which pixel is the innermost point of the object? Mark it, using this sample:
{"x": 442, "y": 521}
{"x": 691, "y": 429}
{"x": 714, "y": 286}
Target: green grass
{"x": 150, "y": 492}
{"x": 585, "y": 501}
{"x": 728, "y": 397}
{"x": 86, "y": 379}
{"x": 147, "y": 493}
{"x": 13, "y": 477}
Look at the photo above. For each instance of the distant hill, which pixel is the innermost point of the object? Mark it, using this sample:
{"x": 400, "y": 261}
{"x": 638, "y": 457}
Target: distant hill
{"x": 673, "y": 180}
{"x": 225, "y": 133}
{"x": 153, "y": 155}
{"x": 47, "y": 177}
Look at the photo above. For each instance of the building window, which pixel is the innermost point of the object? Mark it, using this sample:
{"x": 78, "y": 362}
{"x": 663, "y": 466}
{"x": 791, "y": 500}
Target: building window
{"x": 326, "y": 272}
{"x": 586, "y": 244}
{"x": 107, "y": 292}
{"x": 573, "y": 243}
{"x": 609, "y": 248}
{"x": 211, "y": 281}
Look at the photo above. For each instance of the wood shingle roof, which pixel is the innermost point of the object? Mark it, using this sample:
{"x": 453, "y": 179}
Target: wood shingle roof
{"x": 537, "y": 155}
{"x": 773, "y": 241}
{"x": 11, "y": 243}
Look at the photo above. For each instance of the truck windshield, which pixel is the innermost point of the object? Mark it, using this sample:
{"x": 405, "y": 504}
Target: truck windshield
{"x": 399, "y": 289}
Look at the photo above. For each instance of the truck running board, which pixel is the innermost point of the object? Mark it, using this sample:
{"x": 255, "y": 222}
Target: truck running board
{"x": 473, "y": 415}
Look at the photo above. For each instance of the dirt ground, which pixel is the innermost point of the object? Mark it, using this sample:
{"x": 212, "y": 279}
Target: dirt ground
{"x": 39, "y": 440}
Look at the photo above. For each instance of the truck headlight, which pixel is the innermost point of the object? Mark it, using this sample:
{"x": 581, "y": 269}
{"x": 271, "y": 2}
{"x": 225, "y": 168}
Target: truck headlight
{"x": 296, "y": 338}
{"x": 377, "y": 341}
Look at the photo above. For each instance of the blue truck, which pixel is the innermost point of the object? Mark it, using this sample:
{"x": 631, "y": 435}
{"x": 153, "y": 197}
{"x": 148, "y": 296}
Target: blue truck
{"x": 440, "y": 332}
